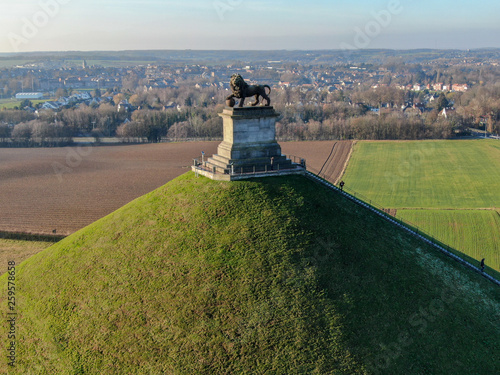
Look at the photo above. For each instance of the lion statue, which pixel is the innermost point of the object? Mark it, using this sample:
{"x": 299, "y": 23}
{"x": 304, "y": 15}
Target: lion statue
{"x": 242, "y": 90}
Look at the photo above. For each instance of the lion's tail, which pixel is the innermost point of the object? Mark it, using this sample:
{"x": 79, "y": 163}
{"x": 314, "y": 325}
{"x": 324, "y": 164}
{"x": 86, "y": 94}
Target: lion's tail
{"x": 268, "y": 88}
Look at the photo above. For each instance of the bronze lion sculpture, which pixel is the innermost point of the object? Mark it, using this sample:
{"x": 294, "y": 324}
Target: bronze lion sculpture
{"x": 242, "y": 90}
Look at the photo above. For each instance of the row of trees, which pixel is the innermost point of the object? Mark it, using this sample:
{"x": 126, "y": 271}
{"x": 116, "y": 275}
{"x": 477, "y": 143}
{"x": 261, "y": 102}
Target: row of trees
{"x": 35, "y": 133}
{"x": 51, "y": 128}
{"x": 174, "y": 124}
{"x": 481, "y": 106}
{"x": 392, "y": 126}
{"x": 313, "y": 125}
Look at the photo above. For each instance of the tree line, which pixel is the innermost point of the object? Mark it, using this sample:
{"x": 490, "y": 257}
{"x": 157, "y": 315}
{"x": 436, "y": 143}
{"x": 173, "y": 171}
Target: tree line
{"x": 305, "y": 114}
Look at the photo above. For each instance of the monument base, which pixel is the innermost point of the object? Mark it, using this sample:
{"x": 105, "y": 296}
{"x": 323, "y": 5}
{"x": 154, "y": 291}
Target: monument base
{"x": 249, "y": 147}
{"x": 225, "y": 165}
{"x": 297, "y": 170}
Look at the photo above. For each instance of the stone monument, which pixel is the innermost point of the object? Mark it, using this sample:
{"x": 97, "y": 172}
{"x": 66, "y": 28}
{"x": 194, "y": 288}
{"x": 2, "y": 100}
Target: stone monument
{"x": 249, "y": 148}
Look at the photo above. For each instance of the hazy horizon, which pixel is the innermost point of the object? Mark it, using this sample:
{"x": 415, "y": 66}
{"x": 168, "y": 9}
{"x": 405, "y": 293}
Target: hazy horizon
{"x": 249, "y": 49}
{"x": 74, "y": 25}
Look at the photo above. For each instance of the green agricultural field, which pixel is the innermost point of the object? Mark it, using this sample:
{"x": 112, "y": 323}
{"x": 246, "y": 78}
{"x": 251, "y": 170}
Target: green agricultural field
{"x": 9, "y": 63}
{"x": 431, "y": 175}
{"x": 475, "y": 232}
{"x": 11, "y": 104}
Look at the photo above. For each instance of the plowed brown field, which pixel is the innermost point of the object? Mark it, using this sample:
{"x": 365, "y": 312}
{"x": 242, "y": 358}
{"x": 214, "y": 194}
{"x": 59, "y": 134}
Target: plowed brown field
{"x": 327, "y": 157}
{"x": 65, "y": 189}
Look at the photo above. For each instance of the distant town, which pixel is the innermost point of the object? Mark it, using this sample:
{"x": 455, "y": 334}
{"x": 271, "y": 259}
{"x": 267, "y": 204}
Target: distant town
{"x": 47, "y": 100}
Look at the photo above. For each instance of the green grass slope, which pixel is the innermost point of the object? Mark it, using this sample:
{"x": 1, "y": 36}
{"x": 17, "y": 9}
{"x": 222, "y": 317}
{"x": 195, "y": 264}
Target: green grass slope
{"x": 272, "y": 276}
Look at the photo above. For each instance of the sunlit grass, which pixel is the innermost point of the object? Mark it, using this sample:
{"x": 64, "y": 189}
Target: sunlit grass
{"x": 427, "y": 174}
{"x": 18, "y": 251}
{"x": 474, "y": 232}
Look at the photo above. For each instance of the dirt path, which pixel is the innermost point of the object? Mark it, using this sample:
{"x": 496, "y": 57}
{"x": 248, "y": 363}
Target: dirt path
{"x": 327, "y": 157}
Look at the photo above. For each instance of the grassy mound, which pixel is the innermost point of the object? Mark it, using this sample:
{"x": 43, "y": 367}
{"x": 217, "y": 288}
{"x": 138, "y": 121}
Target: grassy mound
{"x": 272, "y": 276}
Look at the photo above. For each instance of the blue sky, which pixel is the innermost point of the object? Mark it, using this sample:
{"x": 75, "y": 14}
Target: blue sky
{"x": 53, "y": 25}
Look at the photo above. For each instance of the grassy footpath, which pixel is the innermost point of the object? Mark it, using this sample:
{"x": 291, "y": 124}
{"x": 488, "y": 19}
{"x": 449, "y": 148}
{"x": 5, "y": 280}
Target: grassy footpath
{"x": 278, "y": 275}
{"x": 440, "y": 186}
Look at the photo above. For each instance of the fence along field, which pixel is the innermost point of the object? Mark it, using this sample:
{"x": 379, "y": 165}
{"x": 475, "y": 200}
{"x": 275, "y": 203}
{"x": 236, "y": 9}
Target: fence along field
{"x": 448, "y": 188}
{"x": 65, "y": 189}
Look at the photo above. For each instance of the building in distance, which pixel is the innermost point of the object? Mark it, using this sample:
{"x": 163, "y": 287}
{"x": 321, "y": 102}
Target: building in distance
{"x": 29, "y": 95}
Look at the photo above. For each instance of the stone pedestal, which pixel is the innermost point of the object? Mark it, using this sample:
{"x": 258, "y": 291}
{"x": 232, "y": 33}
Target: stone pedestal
{"x": 249, "y": 141}
{"x": 249, "y": 146}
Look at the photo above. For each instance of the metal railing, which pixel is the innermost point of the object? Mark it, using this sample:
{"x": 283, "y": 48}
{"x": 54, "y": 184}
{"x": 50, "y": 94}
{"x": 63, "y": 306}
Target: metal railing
{"x": 296, "y": 162}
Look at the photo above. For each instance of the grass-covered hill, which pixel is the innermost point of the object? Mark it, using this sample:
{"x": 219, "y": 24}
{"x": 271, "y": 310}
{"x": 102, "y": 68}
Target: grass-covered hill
{"x": 271, "y": 276}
